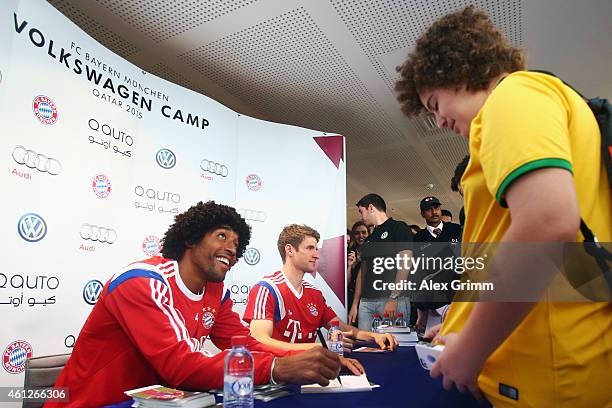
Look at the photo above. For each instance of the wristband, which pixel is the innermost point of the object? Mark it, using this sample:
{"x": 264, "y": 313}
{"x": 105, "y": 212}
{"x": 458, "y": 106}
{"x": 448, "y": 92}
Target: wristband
{"x": 271, "y": 372}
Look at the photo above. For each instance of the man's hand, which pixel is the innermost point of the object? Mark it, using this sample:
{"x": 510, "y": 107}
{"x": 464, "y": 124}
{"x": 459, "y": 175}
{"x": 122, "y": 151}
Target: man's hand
{"x": 432, "y": 333}
{"x": 348, "y": 343}
{"x": 353, "y": 365}
{"x": 385, "y": 341}
{"x": 353, "y": 314}
{"x": 317, "y": 365}
{"x": 391, "y": 307}
{"x": 459, "y": 365}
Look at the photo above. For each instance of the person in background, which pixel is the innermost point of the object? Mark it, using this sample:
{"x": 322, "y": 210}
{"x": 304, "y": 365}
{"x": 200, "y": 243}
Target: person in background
{"x": 446, "y": 236}
{"x": 456, "y": 184}
{"x": 359, "y": 233}
{"x": 152, "y": 318}
{"x": 414, "y": 229}
{"x": 285, "y": 311}
{"x": 446, "y": 215}
{"x": 388, "y": 233}
{"x": 535, "y": 170}
{"x": 436, "y": 230}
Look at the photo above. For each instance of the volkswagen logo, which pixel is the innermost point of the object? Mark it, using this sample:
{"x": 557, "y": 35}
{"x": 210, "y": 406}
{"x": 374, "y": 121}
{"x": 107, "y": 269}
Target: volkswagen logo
{"x": 251, "y": 256}
{"x": 96, "y": 233}
{"x": 91, "y": 291}
{"x": 32, "y": 227}
{"x": 37, "y": 161}
{"x": 165, "y": 158}
{"x": 253, "y": 215}
{"x": 215, "y": 168}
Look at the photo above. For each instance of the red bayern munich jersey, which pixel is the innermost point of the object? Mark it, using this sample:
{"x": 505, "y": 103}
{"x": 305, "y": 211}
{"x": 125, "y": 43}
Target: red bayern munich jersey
{"x": 296, "y": 316}
{"x": 148, "y": 328}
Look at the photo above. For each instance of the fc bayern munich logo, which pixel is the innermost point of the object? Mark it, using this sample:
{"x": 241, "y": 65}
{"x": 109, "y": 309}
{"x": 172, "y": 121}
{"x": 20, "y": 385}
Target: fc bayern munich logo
{"x": 253, "y": 182}
{"x": 313, "y": 310}
{"x": 101, "y": 185}
{"x": 15, "y": 356}
{"x": 208, "y": 319}
{"x": 45, "y": 110}
{"x": 151, "y": 245}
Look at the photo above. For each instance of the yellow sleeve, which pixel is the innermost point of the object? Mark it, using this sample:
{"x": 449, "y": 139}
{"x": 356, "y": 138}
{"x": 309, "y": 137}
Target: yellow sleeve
{"x": 524, "y": 128}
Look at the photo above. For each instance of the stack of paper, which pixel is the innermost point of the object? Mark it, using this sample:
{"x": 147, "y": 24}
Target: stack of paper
{"x": 347, "y": 383}
{"x": 404, "y": 335}
{"x": 157, "y": 396}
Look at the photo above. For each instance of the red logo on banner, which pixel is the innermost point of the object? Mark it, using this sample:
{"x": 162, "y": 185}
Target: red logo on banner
{"x": 101, "y": 185}
{"x": 253, "y": 182}
{"x": 151, "y": 245}
{"x": 45, "y": 110}
{"x": 15, "y": 356}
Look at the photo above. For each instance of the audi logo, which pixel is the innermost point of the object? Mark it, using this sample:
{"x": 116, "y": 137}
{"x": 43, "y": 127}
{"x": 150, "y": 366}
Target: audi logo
{"x": 215, "y": 168}
{"x": 165, "y": 158}
{"x": 37, "y": 161}
{"x": 251, "y": 256}
{"x": 32, "y": 227}
{"x": 96, "y": 233}
{"x": 253, "y": 215}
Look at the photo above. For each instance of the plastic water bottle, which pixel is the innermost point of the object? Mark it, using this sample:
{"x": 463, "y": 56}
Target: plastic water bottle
{"x": 400, "y": 321}
{"x": 238, "y": 375}
{"x": 334, "y": 338}
{"x": 376, "y": 321}
{"x": 386, "y": 321}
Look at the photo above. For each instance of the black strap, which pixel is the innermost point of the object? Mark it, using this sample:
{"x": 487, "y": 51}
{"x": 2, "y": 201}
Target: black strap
{"x": 602, "y": 255}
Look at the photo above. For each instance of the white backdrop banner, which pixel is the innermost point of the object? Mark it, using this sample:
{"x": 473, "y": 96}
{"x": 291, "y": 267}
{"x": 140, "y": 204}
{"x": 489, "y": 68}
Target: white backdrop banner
{"x": 99, "y": 157}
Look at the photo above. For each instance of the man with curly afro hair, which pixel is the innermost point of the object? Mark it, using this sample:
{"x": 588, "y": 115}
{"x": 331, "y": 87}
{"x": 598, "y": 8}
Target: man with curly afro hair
{"x": 152, "y": 319}
{"x": 534, "y": 171}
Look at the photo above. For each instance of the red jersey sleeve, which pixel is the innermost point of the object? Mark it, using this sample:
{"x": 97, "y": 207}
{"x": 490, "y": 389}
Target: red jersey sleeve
{"x": 328, "y": 312}
{"x": 261, "y": 304}
{"x": 229, "y": 324}
{"x": 143, "y": 307}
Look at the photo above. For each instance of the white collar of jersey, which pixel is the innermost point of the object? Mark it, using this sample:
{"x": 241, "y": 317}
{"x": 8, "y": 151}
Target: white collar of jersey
{"x": 294, "y": 290}
{"x": 430, "y": 228}
{"x": 184, "y": 288}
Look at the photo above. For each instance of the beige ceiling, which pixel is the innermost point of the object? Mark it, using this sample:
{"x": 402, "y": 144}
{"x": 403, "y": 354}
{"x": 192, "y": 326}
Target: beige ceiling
{"x": 330, "y": 65}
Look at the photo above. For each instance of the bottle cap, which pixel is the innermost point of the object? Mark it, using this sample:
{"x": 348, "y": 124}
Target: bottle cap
{"x": 239, "y": 341}
{"x": 400, "y": 315}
